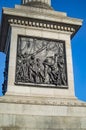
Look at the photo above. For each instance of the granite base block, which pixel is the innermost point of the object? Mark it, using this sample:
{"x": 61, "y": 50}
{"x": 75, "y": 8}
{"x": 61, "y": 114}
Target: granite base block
{"x": 26, "y": 116}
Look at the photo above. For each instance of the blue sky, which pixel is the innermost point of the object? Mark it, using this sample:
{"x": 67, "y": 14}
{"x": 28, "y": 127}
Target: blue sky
{"x": 74, "y": 8}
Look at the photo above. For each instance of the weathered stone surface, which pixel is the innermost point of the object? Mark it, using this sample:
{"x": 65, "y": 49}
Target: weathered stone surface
{"x": 41, "y": 122}
{"x": 16, "y": 128}
{"x": 20, "y": 115}
{"x": 36, "y": 100}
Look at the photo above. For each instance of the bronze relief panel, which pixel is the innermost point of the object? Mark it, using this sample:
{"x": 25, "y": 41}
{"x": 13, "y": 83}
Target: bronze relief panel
{"x": 41, "y": 62}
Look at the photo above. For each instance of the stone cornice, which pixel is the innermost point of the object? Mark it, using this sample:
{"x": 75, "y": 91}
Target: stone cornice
{"x": 72, "y": 102}
{"x": 42, "y": 14}
{"x": 40, "y": 18}
{"x": 42, "y": 24}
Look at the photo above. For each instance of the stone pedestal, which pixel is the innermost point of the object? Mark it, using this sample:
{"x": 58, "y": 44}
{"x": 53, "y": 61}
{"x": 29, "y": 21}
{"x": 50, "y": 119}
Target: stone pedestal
{"x": 37, "y": 23}
{"x": 34, "y": 105}
{"x": 32, "y": 113}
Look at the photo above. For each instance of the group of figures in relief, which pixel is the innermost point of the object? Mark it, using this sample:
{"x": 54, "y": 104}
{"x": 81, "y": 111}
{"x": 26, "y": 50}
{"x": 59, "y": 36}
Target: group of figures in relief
{"x": 41, "y": 61}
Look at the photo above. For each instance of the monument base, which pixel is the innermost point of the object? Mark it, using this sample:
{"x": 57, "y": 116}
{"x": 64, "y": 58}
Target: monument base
{"x": 40, "y": 113}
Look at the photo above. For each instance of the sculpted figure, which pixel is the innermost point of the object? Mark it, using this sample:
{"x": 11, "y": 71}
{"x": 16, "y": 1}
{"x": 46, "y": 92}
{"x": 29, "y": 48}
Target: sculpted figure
{"x": 39, "y": 69}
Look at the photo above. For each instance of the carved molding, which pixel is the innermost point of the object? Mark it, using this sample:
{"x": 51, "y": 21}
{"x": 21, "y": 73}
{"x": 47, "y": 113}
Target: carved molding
{"x": 71, "y": 102}
{"x": 42, "y": 24}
